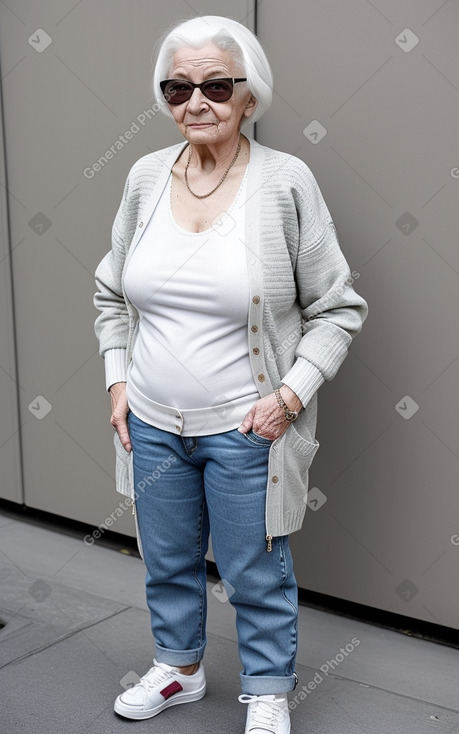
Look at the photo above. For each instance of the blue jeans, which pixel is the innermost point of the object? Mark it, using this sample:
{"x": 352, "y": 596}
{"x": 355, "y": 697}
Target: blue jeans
{"x": 186, "y": 487}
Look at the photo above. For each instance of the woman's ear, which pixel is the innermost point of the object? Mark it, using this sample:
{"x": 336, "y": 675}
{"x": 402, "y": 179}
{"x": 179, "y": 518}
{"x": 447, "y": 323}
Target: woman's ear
{"x": 250, "y": 106}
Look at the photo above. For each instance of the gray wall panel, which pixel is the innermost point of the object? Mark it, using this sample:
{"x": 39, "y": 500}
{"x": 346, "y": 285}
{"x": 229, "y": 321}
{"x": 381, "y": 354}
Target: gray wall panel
{"x": 79, "y": 83}
{"x": 76, "y": 76}
{"x": 387, "y": 100}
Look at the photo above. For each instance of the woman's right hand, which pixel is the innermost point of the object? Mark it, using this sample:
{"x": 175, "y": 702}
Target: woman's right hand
{"x": 120, "y": 410}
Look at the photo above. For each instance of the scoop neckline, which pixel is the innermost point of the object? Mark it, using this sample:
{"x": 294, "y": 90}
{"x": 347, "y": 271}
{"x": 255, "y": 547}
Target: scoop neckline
{"x": 181, "y": 229}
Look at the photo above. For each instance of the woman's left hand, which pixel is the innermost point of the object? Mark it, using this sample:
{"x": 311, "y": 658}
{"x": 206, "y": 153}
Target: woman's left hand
{"x": 267, "y": 418}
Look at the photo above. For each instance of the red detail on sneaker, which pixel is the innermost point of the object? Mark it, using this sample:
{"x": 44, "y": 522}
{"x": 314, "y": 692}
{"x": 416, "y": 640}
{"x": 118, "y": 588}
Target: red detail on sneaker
{"x": 172, "y": 688}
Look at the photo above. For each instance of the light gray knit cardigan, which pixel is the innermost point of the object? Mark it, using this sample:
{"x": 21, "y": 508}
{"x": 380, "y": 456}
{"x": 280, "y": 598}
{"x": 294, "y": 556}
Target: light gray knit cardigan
{"x": 303, "y": 310}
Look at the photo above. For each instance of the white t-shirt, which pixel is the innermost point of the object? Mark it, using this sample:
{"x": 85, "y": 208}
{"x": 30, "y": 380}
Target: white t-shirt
{"x": 191, "y": 348}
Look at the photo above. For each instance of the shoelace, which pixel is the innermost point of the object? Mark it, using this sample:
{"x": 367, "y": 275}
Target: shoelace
{"x": 263, "y": 714}
{"x": 156, "y": 674}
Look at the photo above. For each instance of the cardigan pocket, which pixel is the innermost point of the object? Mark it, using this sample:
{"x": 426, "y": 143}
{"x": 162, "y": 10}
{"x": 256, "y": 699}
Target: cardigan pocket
{"x": 303, "y": 445}
{"x": 123, "y": 468}
{"x": 302, "y": 451}
{"x": 125, "y": 480}
{"x": 299, "y": 453}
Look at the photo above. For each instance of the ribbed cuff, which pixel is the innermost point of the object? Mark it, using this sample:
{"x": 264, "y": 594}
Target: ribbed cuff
{"x": 115, "y": 367}
{"x": 304, "y": 379}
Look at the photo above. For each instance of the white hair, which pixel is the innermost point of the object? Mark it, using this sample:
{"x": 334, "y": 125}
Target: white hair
{"x": 228, "y": 35}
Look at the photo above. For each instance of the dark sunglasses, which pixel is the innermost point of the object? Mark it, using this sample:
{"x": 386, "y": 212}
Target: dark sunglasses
{"x": 178, "y": 91}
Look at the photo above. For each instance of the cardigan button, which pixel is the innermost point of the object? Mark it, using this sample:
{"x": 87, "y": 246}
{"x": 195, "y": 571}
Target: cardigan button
{"x": 254, "y": 329}
{"x": 140, "y": 224}
{"x": 256, "y": 299}
{"x": 261, "y": 378}
{"x": 255, "y": 350}
{"x": 274, "y": 479}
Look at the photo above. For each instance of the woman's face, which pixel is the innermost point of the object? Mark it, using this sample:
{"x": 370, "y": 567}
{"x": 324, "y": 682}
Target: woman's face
{"x": 200, "y": 120}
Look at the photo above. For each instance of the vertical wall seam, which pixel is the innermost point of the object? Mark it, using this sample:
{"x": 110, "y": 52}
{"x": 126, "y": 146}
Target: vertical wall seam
{"x": 5, "y": 205}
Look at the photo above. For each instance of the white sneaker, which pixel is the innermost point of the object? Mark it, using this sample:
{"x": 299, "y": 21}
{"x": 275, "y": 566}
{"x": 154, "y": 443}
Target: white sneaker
{"x": 267, "y": 714}
{"x": 161, "y": 687}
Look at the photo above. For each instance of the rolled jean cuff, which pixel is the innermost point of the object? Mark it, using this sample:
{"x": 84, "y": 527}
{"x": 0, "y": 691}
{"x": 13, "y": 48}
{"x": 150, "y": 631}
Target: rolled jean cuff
{"x": 261, "y": 685}
{"x": 179, "y": 657}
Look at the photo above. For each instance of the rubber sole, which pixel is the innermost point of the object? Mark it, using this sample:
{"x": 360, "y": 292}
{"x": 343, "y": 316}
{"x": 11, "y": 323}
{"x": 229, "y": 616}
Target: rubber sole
{"x": 129, "y": 712}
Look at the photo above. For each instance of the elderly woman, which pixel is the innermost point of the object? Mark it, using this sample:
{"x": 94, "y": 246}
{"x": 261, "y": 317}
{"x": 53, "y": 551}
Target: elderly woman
{"x": 225, "y": 303}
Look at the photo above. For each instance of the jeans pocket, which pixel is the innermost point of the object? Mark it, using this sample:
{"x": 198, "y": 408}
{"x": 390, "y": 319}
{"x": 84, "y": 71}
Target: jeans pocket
{"x": 258, "y": 440}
